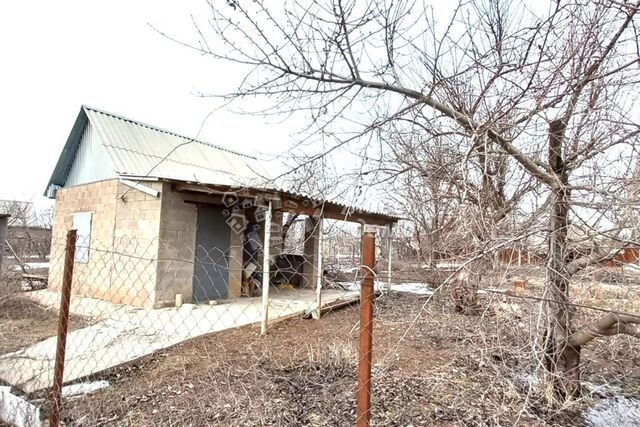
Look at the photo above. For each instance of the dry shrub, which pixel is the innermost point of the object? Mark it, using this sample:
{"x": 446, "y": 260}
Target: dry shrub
{"x": 334, "y": 354}
{"x": 10, "y": 283}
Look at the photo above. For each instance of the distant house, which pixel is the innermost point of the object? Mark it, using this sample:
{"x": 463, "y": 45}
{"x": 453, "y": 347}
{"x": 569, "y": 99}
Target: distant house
{"x": 160, "y": 214}
{"x": 28, "y": 234}
{"x": 628, "y": 255}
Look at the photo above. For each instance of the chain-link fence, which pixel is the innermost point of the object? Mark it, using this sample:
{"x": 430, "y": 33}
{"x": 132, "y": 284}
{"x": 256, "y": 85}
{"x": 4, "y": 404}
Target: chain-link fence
{"x": 124, "y": 302}
{"x": 195, "y": 338}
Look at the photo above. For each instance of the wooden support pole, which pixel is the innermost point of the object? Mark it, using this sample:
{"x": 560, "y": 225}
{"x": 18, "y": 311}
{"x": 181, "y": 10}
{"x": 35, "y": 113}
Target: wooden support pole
{"x": 265, "y": 271}
{"x": 389, "y": 251}
{"x": 320, "y": 269}
{"x": 361, "y": 233}
{"x": 63, "y": 326}
{"x": 363, "y": 409}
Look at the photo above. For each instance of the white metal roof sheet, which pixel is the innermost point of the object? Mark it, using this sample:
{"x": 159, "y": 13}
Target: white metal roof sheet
{"x": 138, "y": 149}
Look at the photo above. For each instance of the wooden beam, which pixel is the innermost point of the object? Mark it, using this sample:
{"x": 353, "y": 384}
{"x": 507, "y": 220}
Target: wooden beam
{"x": 142, "y": 188}
{"x": 292, "y": 203}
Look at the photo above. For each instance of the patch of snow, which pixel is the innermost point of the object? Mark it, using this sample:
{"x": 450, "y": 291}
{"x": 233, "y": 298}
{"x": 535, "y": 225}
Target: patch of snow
{"x": 32, "y": 266}
{"x": 36, "y": 265}
{"x": 449, "y": 264}
{"x": 83, "y": 388}
{"x": 444, "y": 265}
{"x": 18, "y": 412}
{"x": 632, "y": 267}
{"x": 619, "y": 411}
{"x": 418, "y": 288}
{"x": 491, "y": 291}
{"x": 11, "y": 257}
{"x": 412, "y": 288}
{"x": 526, "y": 379}
{"x": 122, "y": 333}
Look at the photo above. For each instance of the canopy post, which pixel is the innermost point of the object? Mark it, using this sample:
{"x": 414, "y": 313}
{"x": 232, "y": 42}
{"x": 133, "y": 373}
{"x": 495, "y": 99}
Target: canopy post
{"x": 389, "y": 252}
{"x": 319, "y": 271}
{"x": 265, "y": 271}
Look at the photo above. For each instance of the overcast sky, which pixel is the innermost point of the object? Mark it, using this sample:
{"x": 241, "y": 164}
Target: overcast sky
{"x": 59, "y": 55}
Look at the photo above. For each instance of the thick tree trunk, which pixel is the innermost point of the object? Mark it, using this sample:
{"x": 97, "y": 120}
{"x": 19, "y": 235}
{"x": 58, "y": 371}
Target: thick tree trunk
{"x": 562, "y": 360}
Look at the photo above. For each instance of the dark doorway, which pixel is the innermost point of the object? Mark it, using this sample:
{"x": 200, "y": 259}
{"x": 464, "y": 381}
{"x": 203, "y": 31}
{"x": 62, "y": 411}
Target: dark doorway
{"x": 211, "y": 269}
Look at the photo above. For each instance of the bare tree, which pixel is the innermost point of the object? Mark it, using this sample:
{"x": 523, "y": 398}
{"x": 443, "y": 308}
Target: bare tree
{"x": 526, "y": 92}
{"x": 456, "y": 198}
{"x": 27, "y": 229}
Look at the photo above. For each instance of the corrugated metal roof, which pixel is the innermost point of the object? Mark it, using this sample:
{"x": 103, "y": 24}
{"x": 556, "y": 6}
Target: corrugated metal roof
{"x": 347, "y": 209}
{"x": 138, "y": 149}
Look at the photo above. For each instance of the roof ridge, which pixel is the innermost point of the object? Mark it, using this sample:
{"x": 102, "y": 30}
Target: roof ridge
{"x": 159, "y": 129}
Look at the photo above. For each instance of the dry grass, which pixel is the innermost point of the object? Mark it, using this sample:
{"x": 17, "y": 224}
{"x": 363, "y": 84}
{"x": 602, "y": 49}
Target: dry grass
{"x": 431, "y": 367}
{"x": 23, "y": 322}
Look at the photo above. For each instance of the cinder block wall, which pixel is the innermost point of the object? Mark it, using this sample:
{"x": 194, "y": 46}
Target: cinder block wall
{"x": 93, "y": 277}
{"x": 124, "y": 241}
{"x": 177, "y": 245}
{"x": 142, "y": 247}
{"x": 135, "y": 245}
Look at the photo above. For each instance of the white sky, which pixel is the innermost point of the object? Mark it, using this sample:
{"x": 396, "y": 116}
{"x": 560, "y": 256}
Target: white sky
{"x": 56, "y": 56}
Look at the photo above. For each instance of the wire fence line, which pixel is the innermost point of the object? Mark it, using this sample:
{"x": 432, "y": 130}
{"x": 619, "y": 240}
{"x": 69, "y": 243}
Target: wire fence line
{"x": 119, "y": 302}
{"x": 199, "y": 347}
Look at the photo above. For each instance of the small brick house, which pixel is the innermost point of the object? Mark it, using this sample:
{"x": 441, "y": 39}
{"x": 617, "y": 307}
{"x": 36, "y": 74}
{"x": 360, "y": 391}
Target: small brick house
{"x": 158, "y": 214}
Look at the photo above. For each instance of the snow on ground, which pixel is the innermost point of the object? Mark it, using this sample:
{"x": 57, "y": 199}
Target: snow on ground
{"x": 128, "y": 333}
{"x": 419, "y": 288}
{"x": 619, "y": 411}
{"x": 412, "y": 288}
{"x": 14, "y": 410}
{"x": 83, "y": 388}
{"x": 11, "y": 257}
{"x": 444, "y": 265}
{"x": 32, "y": 266}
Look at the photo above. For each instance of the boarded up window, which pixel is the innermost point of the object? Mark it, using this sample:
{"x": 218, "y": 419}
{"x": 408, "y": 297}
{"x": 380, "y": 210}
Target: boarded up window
{"x": 82, "y": 223}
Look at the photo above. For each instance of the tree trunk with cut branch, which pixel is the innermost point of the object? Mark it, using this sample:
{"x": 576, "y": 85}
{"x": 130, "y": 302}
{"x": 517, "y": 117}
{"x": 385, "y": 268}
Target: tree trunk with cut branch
{"x": 562, "y": 360}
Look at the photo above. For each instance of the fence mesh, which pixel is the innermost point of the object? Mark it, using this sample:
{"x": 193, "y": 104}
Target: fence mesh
{"x": 176, "y": 339}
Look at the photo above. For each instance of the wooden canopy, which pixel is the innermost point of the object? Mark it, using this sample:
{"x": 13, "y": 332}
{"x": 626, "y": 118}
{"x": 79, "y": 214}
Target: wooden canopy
{"x": 286, "y": 201}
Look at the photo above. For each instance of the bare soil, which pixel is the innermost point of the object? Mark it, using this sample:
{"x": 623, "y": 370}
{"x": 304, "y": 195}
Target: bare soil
{"x": 431, "y": 367}
{"x": 23, "y": 322}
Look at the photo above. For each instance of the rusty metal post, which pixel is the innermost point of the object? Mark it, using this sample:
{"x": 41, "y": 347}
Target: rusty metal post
{"x": 363, "y": 412}
{"x": 63, "y": 325}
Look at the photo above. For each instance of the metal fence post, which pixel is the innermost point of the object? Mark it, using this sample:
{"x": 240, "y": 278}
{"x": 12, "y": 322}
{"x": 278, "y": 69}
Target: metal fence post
{"x": 63, "y": 325}
{"x": 363, "y": 412}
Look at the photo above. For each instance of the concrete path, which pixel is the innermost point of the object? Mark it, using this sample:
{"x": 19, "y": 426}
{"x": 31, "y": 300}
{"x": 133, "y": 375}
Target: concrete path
{"x": 127, "y": 333}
